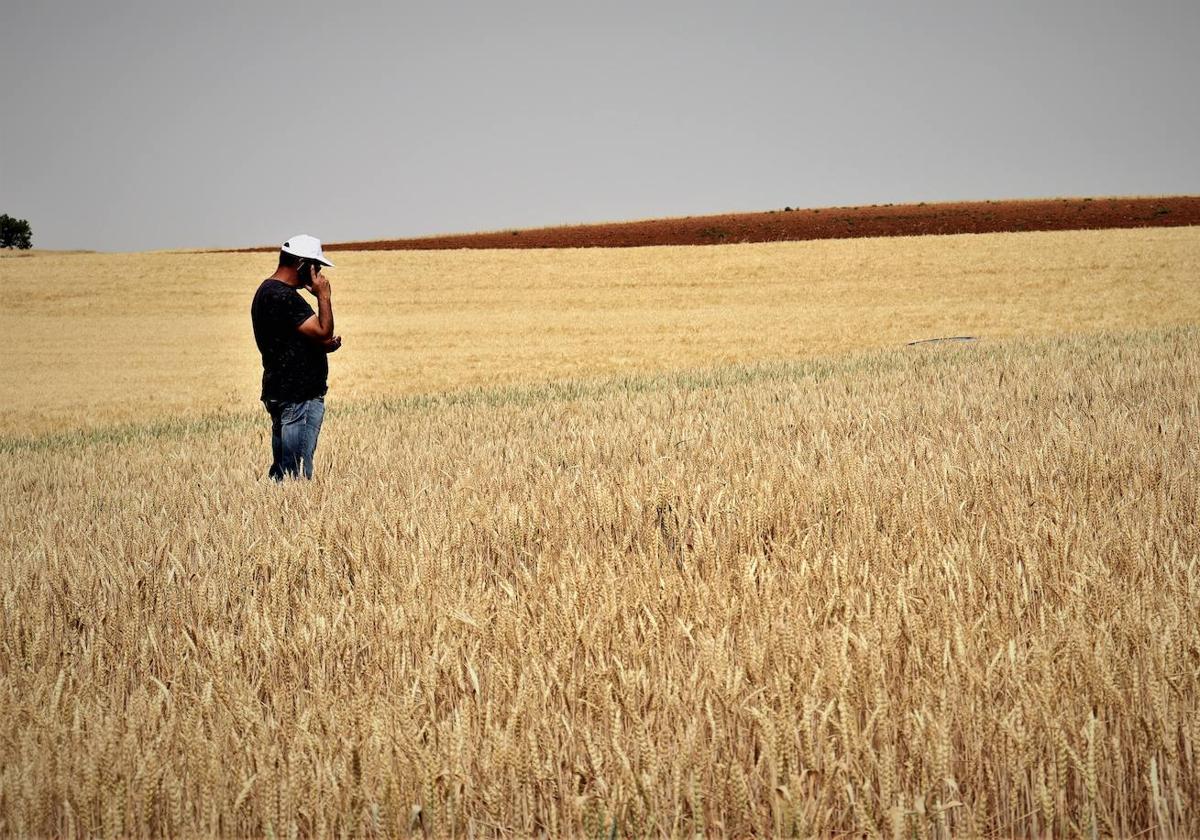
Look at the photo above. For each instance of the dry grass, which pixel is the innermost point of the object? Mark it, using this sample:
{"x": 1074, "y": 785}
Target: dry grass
{"x": 97, "y": 339}
{"x": 923, "y": 592}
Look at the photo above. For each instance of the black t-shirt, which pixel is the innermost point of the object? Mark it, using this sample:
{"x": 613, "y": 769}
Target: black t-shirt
{"x": 295, "y": 368}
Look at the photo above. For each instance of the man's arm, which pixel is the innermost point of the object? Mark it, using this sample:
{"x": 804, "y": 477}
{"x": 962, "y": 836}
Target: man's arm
{"x": 319, "y": 327}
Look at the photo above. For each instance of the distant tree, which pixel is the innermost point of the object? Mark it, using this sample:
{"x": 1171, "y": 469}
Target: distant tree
{"x": 15, "y": 233}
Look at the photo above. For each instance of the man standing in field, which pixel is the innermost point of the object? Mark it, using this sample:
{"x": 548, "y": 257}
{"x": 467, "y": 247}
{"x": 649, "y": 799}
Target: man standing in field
{"x": 294, "y": 342}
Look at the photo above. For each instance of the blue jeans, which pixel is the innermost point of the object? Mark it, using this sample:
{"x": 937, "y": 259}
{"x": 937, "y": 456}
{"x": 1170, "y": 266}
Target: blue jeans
{"x": 294, "y": 430}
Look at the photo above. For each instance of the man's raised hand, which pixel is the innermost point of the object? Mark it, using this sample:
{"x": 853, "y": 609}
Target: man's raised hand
{"x": 319, "y": 327}
{"x": 319, "y": 284}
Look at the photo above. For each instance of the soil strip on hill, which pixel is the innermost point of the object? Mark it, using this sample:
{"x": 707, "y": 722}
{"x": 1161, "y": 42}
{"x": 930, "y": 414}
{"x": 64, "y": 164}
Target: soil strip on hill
{"x": 794, "y": 224}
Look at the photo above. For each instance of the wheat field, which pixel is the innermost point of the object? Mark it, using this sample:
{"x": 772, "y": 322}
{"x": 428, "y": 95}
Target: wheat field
{"x": 101, "y": 339}
{"x": 930, "y": 591}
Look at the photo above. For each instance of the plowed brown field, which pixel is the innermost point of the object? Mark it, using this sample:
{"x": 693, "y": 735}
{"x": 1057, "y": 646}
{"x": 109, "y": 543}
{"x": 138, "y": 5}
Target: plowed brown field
{"x": 825, "y": 223}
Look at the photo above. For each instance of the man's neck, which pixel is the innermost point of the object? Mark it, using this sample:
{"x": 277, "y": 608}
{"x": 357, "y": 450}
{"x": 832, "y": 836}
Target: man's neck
{"x": 286, "y": 275}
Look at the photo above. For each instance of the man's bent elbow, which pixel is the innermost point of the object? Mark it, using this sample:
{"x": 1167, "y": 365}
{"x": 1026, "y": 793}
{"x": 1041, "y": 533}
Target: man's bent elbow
{"x": 314, "y": 330}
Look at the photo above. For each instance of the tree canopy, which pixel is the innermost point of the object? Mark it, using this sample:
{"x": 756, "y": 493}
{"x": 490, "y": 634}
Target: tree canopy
{"x": 15, "y": 233}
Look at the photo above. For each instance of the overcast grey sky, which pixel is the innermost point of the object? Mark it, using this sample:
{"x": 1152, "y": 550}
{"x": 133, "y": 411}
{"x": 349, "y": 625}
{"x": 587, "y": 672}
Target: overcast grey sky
{"x": 141, "y": 125}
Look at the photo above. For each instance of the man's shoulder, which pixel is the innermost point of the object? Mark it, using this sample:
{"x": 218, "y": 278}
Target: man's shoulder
{"x": 273, "y": 286}
{"x": 272, "y": 290}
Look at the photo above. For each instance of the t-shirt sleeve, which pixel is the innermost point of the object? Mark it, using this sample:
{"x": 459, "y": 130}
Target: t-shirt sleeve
{"x": 295, "y": 310}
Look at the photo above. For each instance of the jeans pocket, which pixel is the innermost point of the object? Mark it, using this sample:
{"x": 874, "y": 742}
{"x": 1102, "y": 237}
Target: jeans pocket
{"x": 291, "y": 413}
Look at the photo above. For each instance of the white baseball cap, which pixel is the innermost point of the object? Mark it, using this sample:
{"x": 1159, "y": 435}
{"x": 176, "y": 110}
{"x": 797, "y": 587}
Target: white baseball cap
{"x": 308, "y": 247}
